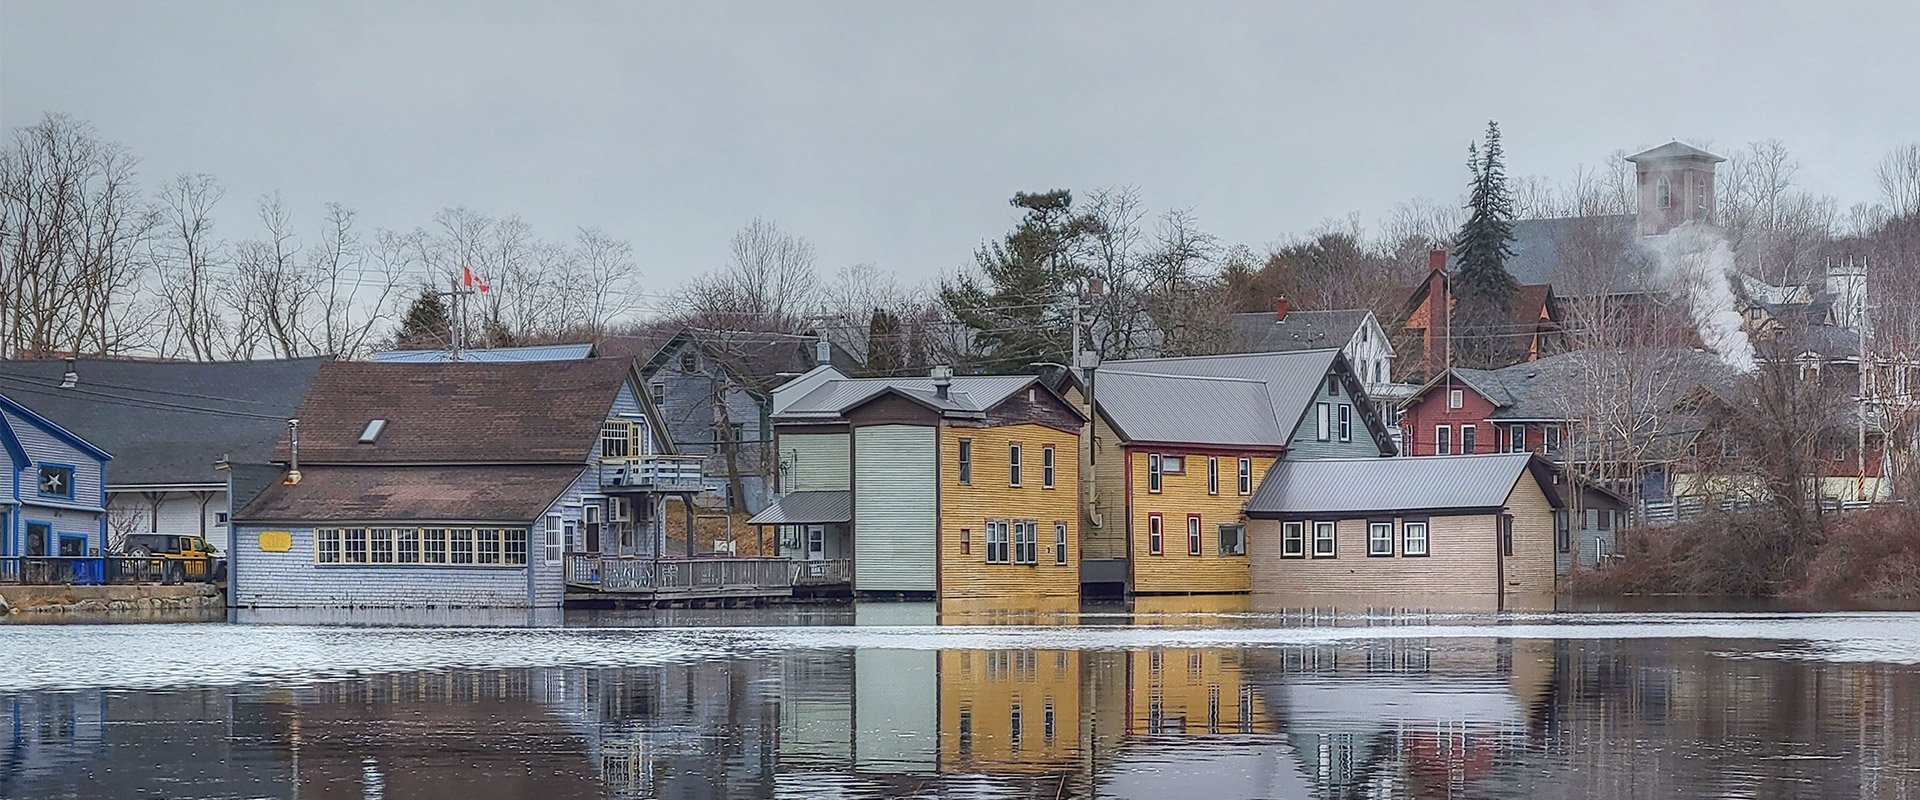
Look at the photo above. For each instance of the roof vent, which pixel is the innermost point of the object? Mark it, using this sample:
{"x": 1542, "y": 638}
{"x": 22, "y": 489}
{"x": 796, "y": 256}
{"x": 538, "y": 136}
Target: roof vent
{"x": 373, "y": 430}
{"x": 942, "y": 380}
{"x": 72, "y": 378}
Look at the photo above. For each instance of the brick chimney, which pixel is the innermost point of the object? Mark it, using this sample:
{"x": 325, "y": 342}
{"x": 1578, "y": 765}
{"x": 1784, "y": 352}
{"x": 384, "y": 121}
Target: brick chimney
{"x": 1439, "y": 313}
{"x": 1280, "y": 308}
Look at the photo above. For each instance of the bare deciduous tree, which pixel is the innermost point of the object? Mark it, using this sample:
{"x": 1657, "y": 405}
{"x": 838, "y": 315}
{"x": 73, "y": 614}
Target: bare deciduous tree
{"x": 767, "y": 284}
{"x": 187, "y": 255}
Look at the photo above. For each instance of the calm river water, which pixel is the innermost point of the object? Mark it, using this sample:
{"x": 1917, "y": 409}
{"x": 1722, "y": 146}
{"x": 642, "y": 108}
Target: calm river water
{"x": 878, "y": 702}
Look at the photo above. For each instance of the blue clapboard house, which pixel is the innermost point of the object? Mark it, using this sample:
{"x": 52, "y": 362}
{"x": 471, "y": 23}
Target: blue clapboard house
{"x": 54, "y": 504}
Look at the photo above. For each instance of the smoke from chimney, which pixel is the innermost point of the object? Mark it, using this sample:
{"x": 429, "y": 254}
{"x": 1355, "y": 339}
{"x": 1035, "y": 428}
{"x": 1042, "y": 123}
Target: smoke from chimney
{"x": 1698, "y": 263}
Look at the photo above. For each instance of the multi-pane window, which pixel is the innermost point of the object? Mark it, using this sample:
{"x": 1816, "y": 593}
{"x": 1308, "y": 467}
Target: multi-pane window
{"x": 616, "y": 439}
{"x": 1346, "y": 422}
{"x": 551, "y": 543}
{"x": 1193, "y": 534}
{"x": 966, "y": 541}
{"x": 1467, "y": 439}
{"x": 1013, "y": 464}
{"x": 1154, "y": 534}
{"x": 1026, "y": 546}
{"x": 1442, "y": 440}
{"x": 1323, "y": 546}
{"x": 1246, "y": 476}
{"x": 487, "y": 546}
{"x": 966, "y": 461}
{"x": 1059, "y": 543}
{"x": 1413, "y": 538}
{"x": 997, "y": 549}
{"x": 1233, "y": 540}
{"x": 1213, "y": 475}
{"x": 1293, "y": 540}
{"x": 1046, "y": 467}
{"x": 1379, "y": 538}
{"x": 1153, "y": 472}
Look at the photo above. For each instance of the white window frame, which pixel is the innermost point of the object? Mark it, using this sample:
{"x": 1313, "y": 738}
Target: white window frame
{"x": 1331, "y": 539}
{"x": 1013, "y": 464}
{"x": 1246, "y": 476}
{"x": 999, "y": 549}
{"x": 1346, "y": 422}
{"x": 966, "y": 462}
{"x": 1059, "y": 544}
{"x": 616, "y": 431}
{"x": 1239, "y": 539}
{"x": 1517, "y": 438}
{"x": 1469, "y": 440}
{"x": 551, "y": 542}
{"x": 1414, "y": 538}
{"x": 1154, "y": 476}
{"x": 1156, "y": 535}
{"x": 1456, "y": 398}
{"x": 1293, "y": 539}
{"x": 1213, "y": 475}
{"x": 1323, "y": 421}
{"x": 1046, "y": 466}
{"x": 1379, "y": 538}
{"x": 1193, "y": 535}
{"x": 1026, "y": 544}
{"x": 1443, "y": 440}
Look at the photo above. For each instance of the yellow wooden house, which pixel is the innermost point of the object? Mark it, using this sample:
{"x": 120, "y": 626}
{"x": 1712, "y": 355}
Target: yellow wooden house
{"x": 955, "y": 487}
{"x": 1180, "y": 444}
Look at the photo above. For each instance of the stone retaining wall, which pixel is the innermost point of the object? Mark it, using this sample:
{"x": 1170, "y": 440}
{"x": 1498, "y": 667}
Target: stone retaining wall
{"x": 197, "y": 602}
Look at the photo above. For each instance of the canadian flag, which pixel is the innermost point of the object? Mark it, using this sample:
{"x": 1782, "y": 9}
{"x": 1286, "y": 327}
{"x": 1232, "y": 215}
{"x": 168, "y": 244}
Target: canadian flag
{"x": 472, "y": 281}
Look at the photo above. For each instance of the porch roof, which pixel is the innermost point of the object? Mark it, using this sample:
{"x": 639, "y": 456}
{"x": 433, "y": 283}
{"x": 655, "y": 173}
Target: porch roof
{"x": 807, "y": 508}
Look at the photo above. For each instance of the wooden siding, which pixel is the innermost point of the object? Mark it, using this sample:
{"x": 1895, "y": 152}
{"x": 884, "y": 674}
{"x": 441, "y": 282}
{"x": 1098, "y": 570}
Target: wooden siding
{"x": 1190, "y": 691}
{"x": 1430, "y": 410}
{"x": 81, "y": 516}
{"x": 1110, "y": 496}
{"x": 988, "y": 496}
{"x": 894, "y": 508}
{"x": 1045, "y": 408}
{"x": 895, "y": 691}
{"x": 985, "y": 686}
{"x": 1306, "y": 443}
{"x": 816, "y": 462}
{"x": 291, "y": 580}
{"x": 1461, "y": 556}
{"x": 1180, "y": 495}
{"x": 691, "y": 418}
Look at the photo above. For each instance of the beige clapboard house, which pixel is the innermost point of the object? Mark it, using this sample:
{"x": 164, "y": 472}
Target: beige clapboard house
{"x": 1445, "y": 525}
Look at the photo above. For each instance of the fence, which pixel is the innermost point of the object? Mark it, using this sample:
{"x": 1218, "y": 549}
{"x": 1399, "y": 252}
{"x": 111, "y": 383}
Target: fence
{"x": 1672, "y": 511}
{"x": 107, "y": 570}
{"x": 679, "y": 575}
{"x": 833, "y": 572}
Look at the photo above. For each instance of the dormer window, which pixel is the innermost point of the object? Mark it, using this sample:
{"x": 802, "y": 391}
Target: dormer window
{"x": 689, "y": 361}
{"x": 372, "y": 431}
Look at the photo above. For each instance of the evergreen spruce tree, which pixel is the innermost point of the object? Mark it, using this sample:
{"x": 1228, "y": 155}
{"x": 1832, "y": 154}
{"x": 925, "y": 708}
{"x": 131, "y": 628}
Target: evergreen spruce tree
{"x": 1017, "y": 308}
{"x": 1483, "y": 290}
{"x": 428, "y": 324}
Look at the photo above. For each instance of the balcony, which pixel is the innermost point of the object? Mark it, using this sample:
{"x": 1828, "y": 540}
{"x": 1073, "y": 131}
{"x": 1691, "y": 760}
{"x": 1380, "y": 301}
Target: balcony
{"x": 651, "y": 474}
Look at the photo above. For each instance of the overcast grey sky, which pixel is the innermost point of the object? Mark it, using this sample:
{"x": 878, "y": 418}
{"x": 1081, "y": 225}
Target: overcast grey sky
{"x": 894, "y": 133}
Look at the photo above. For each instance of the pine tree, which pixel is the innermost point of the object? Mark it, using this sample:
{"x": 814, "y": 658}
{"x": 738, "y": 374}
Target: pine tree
{"x": 1483, "y": 290}
{"x": 1018, "y": 315}
{"x": 427, "y": 324}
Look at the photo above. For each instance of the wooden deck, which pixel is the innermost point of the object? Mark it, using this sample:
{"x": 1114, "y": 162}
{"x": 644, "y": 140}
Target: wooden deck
{"x": 593, "y": 577}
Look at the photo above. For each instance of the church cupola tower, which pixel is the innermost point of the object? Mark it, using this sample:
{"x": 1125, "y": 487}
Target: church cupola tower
{"x": 1675, "y": 187}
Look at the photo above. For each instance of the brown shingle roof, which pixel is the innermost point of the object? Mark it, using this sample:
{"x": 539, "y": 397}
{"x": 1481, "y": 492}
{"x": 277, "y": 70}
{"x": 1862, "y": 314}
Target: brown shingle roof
{"x": 508, "y": 494}
{"x": 459, "y": 413}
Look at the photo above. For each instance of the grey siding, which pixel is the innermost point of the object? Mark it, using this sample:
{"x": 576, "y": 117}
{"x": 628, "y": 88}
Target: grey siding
{"x": 180, "y": 515}
{"x": 815, "y": 462}
{"x": 894, "y": 508}
{"x": 293, "y": 580}
{"x": 1306, "y": 444}
{"x": 692, "y": 419}
{"x": 549, "y": 580}
{"x": 626, "y": 406}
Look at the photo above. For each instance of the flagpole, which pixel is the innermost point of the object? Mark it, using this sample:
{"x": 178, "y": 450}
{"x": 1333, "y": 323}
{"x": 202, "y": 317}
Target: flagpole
{"x": 459, "y": 322}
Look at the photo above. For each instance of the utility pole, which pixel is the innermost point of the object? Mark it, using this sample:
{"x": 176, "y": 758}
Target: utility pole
{"x": 457, "y": 326}
{"x": 1866, "y": 382}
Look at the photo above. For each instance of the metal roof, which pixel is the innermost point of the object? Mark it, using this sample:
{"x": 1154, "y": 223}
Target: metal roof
{"x": 1264, "y": 332}
{"x": 975, "y": 394}
{"x": 807, "y": 508}
{"x": 1388, "y": 485}
{"x": 541, "y": 352}
{"x": 1289, "y": 380}
{"x": 1673, "y": 149}
{"x": 1162, "y": 408}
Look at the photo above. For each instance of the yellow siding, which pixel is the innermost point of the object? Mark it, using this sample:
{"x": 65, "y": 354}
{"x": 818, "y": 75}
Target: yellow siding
{"x": 1529, "y": 571}
{"x": 1180, "y": 495}
{"x": 988, "y": 496}
{"x": 984, "y": 686}
{"x": 1109, "y": 540}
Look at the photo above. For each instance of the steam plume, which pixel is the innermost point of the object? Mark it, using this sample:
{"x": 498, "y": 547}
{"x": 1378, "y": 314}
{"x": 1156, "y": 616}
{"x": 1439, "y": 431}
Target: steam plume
{"x": 1699, "y": 262}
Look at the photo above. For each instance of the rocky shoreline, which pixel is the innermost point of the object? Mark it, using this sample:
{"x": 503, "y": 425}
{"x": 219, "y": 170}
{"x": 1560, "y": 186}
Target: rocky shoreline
{"x": 92, "y": 604}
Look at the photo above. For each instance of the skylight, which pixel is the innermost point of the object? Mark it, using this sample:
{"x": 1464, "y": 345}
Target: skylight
{"x": 373, "y": 431}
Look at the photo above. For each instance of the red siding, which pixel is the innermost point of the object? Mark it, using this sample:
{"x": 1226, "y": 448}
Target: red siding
{"x": 1430, "y": 410}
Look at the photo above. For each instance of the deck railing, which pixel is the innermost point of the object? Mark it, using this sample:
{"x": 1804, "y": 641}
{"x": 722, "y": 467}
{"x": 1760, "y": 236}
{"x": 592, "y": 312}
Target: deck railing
{"x": 831, "y": 572}
{"x": 658, "y": 473}
{"x": 613, "y": 574}
{"x": 106, "y": 570}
